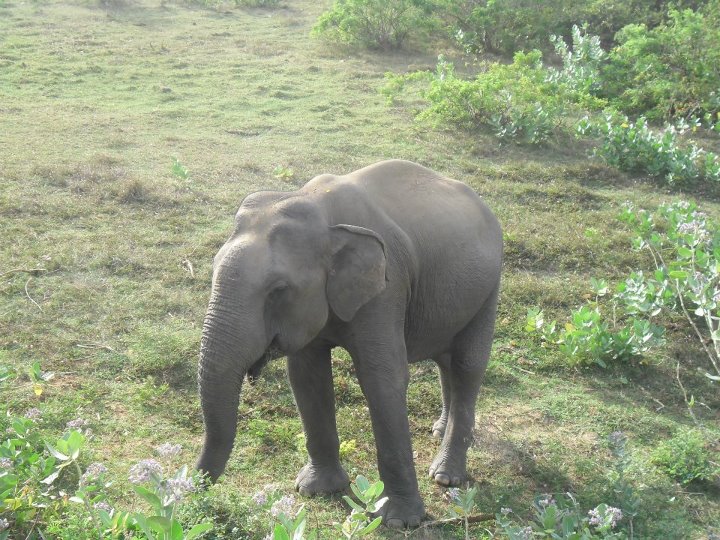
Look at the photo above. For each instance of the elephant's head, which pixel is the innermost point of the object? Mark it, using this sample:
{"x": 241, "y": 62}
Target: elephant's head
{"x": 275, "y": 283}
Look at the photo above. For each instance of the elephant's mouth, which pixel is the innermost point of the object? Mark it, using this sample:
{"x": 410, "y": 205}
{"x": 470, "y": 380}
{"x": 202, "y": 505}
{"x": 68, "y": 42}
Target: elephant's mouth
{"x": 271, "y": 353}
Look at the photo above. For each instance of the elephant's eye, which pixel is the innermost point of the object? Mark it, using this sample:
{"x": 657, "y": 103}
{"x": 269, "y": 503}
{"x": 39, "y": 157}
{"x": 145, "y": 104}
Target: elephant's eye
{"x": 278, "y": 291}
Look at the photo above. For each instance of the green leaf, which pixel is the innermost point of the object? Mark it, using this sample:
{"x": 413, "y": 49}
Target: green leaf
{"x": 678, "y": 274}
{"x": 712, "y": 377}
{"x": 370, "y": 527}
{"x": 149, "y": 496}
{"x": 353, "y": 504}
{"x": 160, "y": 524}
{"x": 685, "y": 253}
{"x": 176, "y": 530}
{"x": 198, "y": 530}
{"x": 280, "y": 533}
{"x": 50, "y": 479}
{"x": 55, "y": 453}
{"x": 144, "y": 525}
{"x": 362, "y": 482}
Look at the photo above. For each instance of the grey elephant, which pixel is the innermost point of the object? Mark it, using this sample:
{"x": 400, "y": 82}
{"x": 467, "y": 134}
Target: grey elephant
{"x": 393, "y": 262}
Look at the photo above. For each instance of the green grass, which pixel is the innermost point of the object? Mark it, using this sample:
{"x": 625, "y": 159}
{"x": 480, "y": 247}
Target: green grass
{"x": 95, "y": 106}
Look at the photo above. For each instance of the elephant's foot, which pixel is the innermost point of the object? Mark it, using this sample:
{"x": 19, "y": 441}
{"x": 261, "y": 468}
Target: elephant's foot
{"x": 316, "y": 480}
{"x": 401, "y": 512}
{"x": 448, "y": 468}
{"x": 438, "y": 429}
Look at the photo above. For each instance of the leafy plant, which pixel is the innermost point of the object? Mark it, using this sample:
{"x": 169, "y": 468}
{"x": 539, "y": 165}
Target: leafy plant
{"x": 669, "y": 70}
{"x": 685, "y": 245}
{"x": 376, "y": 24}
{"x": 283, "y": 173}
{"x": 360, "y": 523}
{"x": 687, "y": 457}
{"x": 463, "y": 504}
{"x": 591, "y": 337}
{"x": 514, "y": 25}
{"x": 179, "y": 170}
{"x": 517, "y": 101}
{"x": 562, "y": 518}
{"x": 636, "y": 147}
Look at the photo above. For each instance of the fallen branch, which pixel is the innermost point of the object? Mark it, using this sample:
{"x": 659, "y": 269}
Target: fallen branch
{"x": 30, "y": 297}
{"x": 23, "y": 270}
{"x": 92, "y": 345}
{"x": 477, "y": 518}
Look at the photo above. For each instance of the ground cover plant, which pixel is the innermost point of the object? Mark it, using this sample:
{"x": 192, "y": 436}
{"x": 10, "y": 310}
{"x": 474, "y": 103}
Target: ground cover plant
{"x": 129, "y": 133}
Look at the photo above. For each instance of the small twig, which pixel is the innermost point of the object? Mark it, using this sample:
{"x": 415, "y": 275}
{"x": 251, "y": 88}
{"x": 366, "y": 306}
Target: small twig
{"x": 23, "y": 270}
{"x": 682, "y": 387}
{"x": 92, "y": 345}
{"x": 478, "y": 518}
{"x": 187, "y": 264}
{"x": 662, "y": 405}
{"x": 30, "y": 297}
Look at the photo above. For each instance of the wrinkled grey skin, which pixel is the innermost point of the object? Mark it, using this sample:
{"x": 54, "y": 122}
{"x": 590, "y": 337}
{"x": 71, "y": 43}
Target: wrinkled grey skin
{"x": 392, "y": 262}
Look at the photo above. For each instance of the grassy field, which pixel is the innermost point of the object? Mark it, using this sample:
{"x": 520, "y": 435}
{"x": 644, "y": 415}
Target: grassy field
{"x": 97, "y": 103}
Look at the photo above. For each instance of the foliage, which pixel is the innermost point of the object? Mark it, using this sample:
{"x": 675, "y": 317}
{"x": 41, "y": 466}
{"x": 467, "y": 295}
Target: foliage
{"x": 687, "y": 457}
{"x": 514, "y": 100}
{"x": 360, "y": 523}
{"x": 593, "y": 337}
{"x": 581, "y": 63}
{"x": 33, "y": 490}
{"x": 509, "y": 26}
{"x": 561, "y": 518}
{"x": 282, "y": 172}
{"x": 636, "y": 147}
{"x": 179, "y": 170}
{"x": 668, "y": 71}
{"x": 376, "y": 24}
{"x": 685, "y": 245}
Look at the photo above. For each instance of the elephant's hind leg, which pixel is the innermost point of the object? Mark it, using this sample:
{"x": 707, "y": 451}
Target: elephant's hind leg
{"x": 470, "y": 355}
{"x": 443, "y": 362}
{"x": 310, "y": 374}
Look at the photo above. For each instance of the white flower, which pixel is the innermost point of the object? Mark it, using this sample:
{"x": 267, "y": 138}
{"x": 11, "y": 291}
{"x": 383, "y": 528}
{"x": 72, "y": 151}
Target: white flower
{"x": 78, "y": 423}
{"x": 93, "y": 472}
{"x": 4, "y": 524}
{"x": 33, "y": 414}
{"x": 177, "y": 488}
{"x": 260, "y": 498}
{"x": 142, "y": 471}
{"x": 102, "y": 505}
{"x": 5, "y": 463}
{"x": 283, "y": 506}
{"x": 168, "y": 450}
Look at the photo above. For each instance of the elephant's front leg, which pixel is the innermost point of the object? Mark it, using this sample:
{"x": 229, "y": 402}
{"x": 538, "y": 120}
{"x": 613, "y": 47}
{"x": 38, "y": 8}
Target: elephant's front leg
{"x": 383, "y": 374}
{"x": 310, "y": 374}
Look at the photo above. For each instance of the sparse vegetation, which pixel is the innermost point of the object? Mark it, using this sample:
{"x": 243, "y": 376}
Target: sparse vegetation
{"x": 106, "y": 249}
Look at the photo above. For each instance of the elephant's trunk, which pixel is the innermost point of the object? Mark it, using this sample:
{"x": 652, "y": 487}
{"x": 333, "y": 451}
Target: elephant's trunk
{"x": 227, "y": 350}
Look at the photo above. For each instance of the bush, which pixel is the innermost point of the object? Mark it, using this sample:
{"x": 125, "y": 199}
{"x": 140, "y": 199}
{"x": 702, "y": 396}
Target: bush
{"x": 668, "y": 71}
{"x": 687, "y": 457}
{"x": 516, "y": 101}
{"x": 376, "y": 24}
{"x": 507, "y": 26}
{"x": 592, "y": 337}
{"x": 635, "y": 147}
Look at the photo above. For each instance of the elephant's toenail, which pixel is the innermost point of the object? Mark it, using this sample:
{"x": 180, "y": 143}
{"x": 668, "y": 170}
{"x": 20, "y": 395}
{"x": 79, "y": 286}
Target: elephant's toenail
{"x": 442, "y": 479}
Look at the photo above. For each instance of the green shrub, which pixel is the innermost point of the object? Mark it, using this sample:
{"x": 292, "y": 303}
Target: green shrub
{"x": 507, "y": 26}
{"x": 516, "y": 101}
{"x": 670, "y": 70}
{"x": 687, "y": 457}
{"x": 376, "y": 24}
{"x": 635, "y": 147}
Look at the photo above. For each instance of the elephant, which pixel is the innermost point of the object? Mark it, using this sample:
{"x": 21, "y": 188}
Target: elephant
{"x": 393, "y": 262}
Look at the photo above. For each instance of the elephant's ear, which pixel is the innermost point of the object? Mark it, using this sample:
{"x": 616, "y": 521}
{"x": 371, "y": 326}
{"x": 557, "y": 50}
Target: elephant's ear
{"x": 357, "y": 272}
